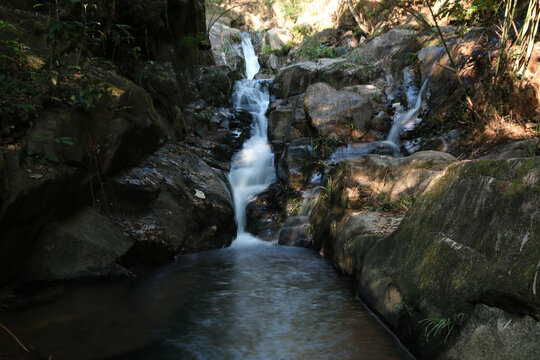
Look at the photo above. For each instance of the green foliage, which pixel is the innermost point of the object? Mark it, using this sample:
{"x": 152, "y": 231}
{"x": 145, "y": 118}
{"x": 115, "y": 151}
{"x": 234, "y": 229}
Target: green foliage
{"x": 356, "y": 58}
{"x": 89, "y": 95}
{"x": 483, "y": 10}
{"x": 295, "y": 205}
{"x": 66, "y": 140}
{"x": 236, "y": 38}
{"x": 302, "y": 30}
{"x": 285, "y": 49}
{"x": 314, "y": 49}
{"x": 326, "y": 190}
{"x": 151, "y": 70}
{"x": 325, "y": 145}
{"x": 383, "y": 203}
{"x": 292, "y": 9}
{"x": 436, "y": 327}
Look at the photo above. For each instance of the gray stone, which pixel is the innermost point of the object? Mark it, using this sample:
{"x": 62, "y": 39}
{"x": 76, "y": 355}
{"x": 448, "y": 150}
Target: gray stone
{"x": 287, "y": 120}
{"x": 491, "y": 333}
{"x": 278, "y": 38}
{"x": 390, "y": 48}
{"x": 342, "y": 115}
{"x": 296, "y": 232}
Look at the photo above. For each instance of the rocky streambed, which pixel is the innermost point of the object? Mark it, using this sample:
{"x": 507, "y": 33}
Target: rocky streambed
{"x": 445, "y": 251}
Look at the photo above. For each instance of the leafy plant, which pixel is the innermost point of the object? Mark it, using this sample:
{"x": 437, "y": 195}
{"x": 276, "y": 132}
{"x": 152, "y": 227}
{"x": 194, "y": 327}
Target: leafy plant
{"x": 326, "y": 190}
{"x": 302, "y": 30}
{"x": 236, "y": 38}
{"x": 283, "y": 51}
{"x": 314, "y": 49}
{"x": 325, "y": 144}
{"x": 436, "y": 327}
{"x": 90, "y": 94}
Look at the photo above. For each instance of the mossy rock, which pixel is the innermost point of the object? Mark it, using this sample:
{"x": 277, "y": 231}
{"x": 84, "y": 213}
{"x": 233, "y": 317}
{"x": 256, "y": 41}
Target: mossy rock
{"x": 473, "y": 237}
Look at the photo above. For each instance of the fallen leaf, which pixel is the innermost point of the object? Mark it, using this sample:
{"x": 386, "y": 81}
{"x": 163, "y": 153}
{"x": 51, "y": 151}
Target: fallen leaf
{"x": 200, "y": 194}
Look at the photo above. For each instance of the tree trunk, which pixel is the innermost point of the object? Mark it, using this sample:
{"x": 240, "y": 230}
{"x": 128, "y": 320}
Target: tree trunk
{"x": 358, "y": 18}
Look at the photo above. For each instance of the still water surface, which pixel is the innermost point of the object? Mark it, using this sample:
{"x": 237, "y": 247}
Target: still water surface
{"x": 256, "y": 301}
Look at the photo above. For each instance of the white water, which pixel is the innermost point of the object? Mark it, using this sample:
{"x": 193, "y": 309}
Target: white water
{"x": 406, "y": 118}
{"x": 252, "y": 169}
{"x": 252, "y": 63}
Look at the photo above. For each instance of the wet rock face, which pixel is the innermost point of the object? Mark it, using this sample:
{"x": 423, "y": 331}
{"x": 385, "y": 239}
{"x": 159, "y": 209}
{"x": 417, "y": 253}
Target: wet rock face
{"x": 215, "y": 84}
{"x": 265, "y": 213}
{"x": 173, "y": 202}
{"x": 292, "y": 161}
{"x": 343, "y": 115}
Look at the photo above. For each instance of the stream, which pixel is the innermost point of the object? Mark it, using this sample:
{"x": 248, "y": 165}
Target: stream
{"x": 254, "y": 300}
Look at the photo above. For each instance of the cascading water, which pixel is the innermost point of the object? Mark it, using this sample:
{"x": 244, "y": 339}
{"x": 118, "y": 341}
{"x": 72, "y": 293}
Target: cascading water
{"x": 252, "y": 63}
{"x": 407, "y": 117}
{"x": 404, "y": 119}
{"x": 252, "y": 169}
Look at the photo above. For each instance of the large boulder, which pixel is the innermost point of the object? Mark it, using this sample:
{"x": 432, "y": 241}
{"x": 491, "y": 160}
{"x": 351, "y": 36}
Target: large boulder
{"x": 378, "y": 182}
{"x": 471, "y": 54}
{"x": 287, "y": 121}
{"x": 467, "y": 252}
{"x": 356, "y": 233}
{"x": 394, "y": 179}
{"x": 222, "y": 37}
{"x": 31, "y": 197}
{"x": 342, "y": 115}
{"x": 184, "y": 204}
{"x": 215, "y": 84}
{"x": 278, "y": 38}
{"x": 122, "y": 128}
{"x": 390, "y": 49}
{"x": 87, "y": 244}
{"x": 295, "y": 79}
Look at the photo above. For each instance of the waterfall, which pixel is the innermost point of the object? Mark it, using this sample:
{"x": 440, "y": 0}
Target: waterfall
{"x": 252, "y": 63}
{"x": 252, "y": 168}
